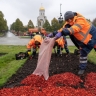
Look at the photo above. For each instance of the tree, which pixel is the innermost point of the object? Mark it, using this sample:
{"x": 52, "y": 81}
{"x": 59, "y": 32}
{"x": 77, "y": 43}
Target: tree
{"x": 94, "y": 22}
{"x": 61, "y": 24}
{"x": 1, "y": 14}
{"x": 54, "y": 24}
{"x": 30, "y": 24}
{"x": 88, "y": 20}
{"x": 12, "y": 27}
{"x": 18, "y": 25}
{"x": 47, "y": 26}
{"x": 25, "y": 28}
{"x": 3, "y": 23}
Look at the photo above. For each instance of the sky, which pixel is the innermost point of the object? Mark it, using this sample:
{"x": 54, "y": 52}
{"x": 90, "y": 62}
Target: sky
{"x": 27, "y": 10}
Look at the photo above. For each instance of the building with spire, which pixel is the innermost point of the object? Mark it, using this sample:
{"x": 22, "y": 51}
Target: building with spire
{"x": 41, "y": 18}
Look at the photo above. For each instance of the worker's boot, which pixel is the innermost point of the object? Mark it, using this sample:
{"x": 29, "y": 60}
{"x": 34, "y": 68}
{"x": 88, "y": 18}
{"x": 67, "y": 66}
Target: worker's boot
{"x": 81, "y": 72}
{"x": 83, "y": 62}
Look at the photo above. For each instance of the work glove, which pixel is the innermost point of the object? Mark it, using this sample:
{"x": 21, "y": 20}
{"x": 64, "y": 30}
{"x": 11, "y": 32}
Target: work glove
{"x": 28, "y": 52}
{"x": 58, "y": 35}
{"x": 67, "y": 26}
{"x": 50, "y": 35}
{"x": 54, "y": 33}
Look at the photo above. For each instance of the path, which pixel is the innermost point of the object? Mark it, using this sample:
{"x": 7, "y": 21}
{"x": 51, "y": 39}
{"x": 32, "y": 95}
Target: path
{"x": 11, "y": 39}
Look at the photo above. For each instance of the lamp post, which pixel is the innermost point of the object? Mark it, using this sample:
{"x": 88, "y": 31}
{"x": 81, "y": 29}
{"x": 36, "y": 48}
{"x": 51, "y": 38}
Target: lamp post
{"x": 60, "y": 19}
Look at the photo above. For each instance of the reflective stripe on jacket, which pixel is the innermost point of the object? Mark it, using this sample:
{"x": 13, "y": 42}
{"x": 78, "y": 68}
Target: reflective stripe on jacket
{"x": 32, "y": 41}
{"x": 80, "y": 29}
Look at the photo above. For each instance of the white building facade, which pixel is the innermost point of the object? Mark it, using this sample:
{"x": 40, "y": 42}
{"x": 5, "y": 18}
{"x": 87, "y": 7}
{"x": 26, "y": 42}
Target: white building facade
{"x": 41, "y": 18}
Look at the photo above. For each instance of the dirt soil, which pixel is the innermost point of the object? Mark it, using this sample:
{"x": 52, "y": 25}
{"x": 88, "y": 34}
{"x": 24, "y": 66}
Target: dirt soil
{"x": 58, "y": 64}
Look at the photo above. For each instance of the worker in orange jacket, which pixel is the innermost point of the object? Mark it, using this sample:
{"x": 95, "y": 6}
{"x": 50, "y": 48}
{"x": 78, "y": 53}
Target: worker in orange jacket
{"x": 61, "y": 43}
{"x": 83, "y": 34}
{"x": 34, "y": 44}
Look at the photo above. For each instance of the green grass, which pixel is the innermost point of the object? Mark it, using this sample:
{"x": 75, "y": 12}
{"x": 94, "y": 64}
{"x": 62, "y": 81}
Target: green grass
{"x": 24, "y": 37}
{"x": 92, "y": 57}
{"x": 9, "y": 65}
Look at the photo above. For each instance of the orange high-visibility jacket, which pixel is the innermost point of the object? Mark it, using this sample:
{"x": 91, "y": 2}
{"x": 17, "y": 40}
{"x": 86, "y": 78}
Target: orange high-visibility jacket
{"x": 80, "y": 29}
{"x": 32, "y": 41}
{"x": 60, "y": 42}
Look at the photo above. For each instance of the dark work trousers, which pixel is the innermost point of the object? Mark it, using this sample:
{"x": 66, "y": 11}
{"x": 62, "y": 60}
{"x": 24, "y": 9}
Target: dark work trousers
{"x": 86, "y": 49}
{"x": 34, "y": 52}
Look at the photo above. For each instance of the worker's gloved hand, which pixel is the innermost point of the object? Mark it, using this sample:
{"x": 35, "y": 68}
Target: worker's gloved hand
{"x": 58, "y": 35}
{"x": 67, "y": 26}
{"x": 50, "y": 35}
{"x": 28, "y": 52}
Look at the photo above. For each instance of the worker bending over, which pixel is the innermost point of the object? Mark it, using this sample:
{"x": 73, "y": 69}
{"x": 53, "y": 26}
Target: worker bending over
{"x": 34, "y": 44}
{"x": 60, "y": 44}
{"x": 83, "y": 34}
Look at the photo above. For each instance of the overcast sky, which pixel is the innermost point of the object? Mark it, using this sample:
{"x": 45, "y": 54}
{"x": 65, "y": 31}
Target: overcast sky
{"x": 29, "y": 9}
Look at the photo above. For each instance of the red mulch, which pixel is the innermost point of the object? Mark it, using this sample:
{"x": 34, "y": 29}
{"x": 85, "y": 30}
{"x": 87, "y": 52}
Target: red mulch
{"x": 63, "y": 80}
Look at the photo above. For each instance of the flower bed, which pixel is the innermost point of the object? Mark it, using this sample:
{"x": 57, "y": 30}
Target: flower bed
{"x": 65, "y": 84}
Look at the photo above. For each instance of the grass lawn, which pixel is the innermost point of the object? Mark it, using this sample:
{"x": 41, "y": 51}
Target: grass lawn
{"x": 9, "y": 65}
{"x": 24, "y": 37}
